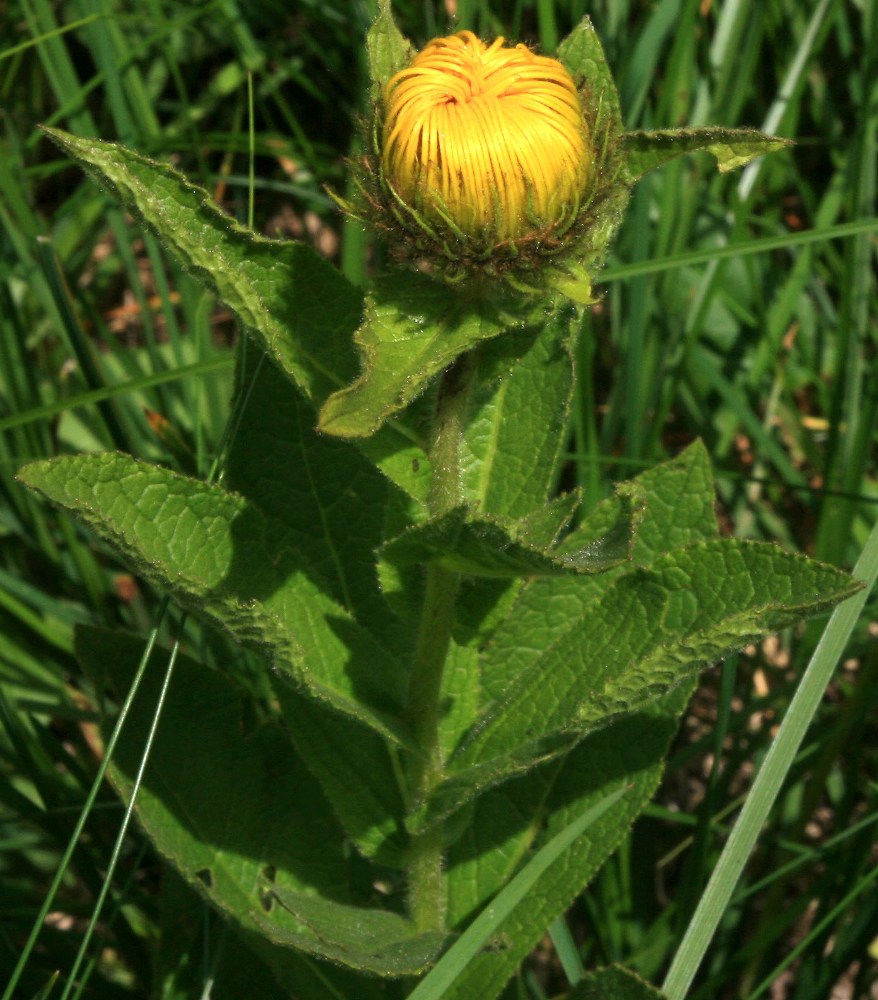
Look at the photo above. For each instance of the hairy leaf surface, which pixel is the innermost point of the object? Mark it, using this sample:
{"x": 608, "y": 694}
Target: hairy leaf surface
{"x": 413, "y": 328}
{"x": 651, "y": 630}
{"x": 731, "y": 147}
{"x": 300, "y": 309}
{"x": 222, "y": 557}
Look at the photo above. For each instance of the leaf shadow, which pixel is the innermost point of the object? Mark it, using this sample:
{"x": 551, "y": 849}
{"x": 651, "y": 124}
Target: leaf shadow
{"x": 317, "y": 513}
{"x": 238, "y": 790}
{"x": 230, "y": 804}
{"x": 292, "y": 619}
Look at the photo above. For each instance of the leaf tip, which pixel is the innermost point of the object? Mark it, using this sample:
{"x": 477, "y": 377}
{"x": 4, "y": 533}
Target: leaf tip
{"x": 29, "y": 474}
{"x": 338, "y": 419}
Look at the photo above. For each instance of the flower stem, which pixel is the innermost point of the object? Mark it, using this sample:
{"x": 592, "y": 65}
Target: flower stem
{"x": 426, "y": 882}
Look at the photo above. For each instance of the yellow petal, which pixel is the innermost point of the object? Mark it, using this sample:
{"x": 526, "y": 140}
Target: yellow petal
{"x": 491, "y": 138}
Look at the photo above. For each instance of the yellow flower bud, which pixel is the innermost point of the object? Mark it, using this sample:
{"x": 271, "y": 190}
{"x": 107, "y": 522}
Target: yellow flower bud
{"x": 486, "y": 141}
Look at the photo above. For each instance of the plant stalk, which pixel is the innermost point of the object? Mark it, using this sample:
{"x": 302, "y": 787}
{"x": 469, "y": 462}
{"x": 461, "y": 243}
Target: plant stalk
{"x": 426, "y": 882}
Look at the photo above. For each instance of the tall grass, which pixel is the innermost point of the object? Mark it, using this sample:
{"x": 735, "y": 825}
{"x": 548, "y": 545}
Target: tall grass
{"x": 737, "y": 308}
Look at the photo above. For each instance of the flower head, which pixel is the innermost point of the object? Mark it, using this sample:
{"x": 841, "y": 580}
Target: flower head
{"x": 486, "y": 140}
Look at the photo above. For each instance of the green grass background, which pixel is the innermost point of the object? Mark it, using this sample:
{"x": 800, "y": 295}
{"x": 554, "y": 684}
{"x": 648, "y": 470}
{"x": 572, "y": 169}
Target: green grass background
{"x": 741, "y": 309}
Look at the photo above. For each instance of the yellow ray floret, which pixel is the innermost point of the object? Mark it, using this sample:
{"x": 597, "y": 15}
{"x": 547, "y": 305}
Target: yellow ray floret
{"x": 489, "y": 138}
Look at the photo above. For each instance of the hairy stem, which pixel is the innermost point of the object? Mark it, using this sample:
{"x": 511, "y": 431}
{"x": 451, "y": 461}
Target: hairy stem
{"x": 426, "y": 882}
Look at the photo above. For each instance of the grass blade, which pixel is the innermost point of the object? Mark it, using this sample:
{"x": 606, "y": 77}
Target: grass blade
{"x": 770, "y": 778}
{"x": 8, "y": 993}
{"x": 783, "y": 242}
{"x": 123, "y": 829}
{"x": 197, "y": 368}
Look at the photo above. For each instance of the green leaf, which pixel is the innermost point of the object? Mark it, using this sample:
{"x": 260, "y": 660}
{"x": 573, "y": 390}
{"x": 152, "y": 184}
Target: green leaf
{"x": 613, "y": 982}
{"x": 505, "y": 823}
{"x": 225, "y": 798}
{"x": 508, "y": 823}
{"x": 376, "y": 941}
{"x": 355, "y": 770}
{"x": 732, "y": 147}
{"x": 582, "y": 54}
{"x": 329, "y": 499}
{"x": 479, "y": 546}
{"x": 389, "y": 50}
{"x": 300, "y": 309}
{"x": 219, "y": 555}
{"x": 504, "y": 627}
{"x": 652, "y": 629}
{"x": 679, "y": 511}
{"x": 441, "y": 982}
{"x": 517, "y": 418}
{"x": 413, "y": 328}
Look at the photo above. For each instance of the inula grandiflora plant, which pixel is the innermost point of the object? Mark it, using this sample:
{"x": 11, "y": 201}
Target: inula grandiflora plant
{"x": 468, "y": 687}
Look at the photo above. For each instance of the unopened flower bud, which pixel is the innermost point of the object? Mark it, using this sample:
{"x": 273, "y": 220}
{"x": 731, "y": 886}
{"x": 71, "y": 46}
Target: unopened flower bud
{"x": 486, "y": 140}
{"x": 489, "y": 161}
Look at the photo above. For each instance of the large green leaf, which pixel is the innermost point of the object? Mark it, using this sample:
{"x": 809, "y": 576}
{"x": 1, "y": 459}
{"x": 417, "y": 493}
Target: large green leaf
{"x": 221, "y": 556}
{"x": 482, "y": 935}
{"x": 731, "y": 147}
{"x": 652, "y": 629}
{"x": 226, "y": 799}
{"x": 516, "y": 421}
{"x": 503, "y": 626}
{"x": 679, "y": 511}
{"x": 321, "y": 492}
{"x": 413, "y": 328}
{"x": 506, "y": 823}
{"x": 299, "y": 308}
